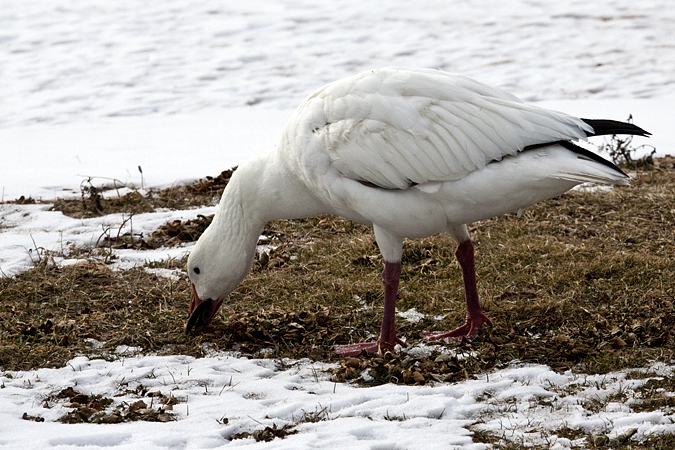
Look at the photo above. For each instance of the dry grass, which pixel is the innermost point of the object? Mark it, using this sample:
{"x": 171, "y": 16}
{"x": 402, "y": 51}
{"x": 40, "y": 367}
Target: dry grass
{"x": 93, "y": 203}
{"x": 585, "y": 281}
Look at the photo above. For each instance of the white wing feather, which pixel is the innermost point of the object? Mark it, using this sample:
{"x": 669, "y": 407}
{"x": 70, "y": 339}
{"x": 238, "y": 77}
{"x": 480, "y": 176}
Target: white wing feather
{"x": 393, "y": 127}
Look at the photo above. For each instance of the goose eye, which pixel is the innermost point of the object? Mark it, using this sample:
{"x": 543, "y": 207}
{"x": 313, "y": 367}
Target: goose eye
{"x": 196, "y": 270}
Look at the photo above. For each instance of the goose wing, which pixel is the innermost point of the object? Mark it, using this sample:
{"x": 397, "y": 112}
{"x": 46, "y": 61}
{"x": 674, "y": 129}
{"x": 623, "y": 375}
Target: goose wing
{"x": 395, "y": 127}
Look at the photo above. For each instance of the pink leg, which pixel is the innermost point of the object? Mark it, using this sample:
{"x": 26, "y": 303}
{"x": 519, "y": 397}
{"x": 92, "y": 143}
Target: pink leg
{"x": 388, "y": 339}
{"x": 475, "y": 319}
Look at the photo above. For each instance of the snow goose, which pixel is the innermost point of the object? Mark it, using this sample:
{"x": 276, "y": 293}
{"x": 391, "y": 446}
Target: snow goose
{"x": 412, "y": 152}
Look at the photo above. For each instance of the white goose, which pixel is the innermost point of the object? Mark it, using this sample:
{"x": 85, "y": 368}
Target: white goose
{"x": 412, "y": 152}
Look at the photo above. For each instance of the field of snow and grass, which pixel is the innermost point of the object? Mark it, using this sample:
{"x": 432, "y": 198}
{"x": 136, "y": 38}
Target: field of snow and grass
{"x": 159, "y": 94}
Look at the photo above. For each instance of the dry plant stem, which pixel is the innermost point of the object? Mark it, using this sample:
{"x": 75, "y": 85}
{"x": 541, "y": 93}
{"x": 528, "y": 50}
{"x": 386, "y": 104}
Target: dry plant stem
{"x": 388, "y": 338}
{"x": 475, "y": 318}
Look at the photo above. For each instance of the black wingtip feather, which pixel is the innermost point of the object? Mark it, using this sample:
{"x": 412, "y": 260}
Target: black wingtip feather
{"x": 602, "y": 127}
{"x": 590, "y": 155}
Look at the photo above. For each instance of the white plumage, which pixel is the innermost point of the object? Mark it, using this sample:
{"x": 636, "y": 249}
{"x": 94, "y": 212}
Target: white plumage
{"x": 395, "y": 126}
{"x": 412, "y": 152}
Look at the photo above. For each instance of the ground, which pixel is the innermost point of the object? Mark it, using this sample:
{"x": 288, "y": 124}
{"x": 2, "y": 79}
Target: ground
{"x": 582, "y": 282}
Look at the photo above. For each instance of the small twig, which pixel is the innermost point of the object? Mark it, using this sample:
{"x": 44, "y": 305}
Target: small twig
{"x": 254, "y": 419}
{"x": 142, "y": 180}
{"x": 105, "y": 231}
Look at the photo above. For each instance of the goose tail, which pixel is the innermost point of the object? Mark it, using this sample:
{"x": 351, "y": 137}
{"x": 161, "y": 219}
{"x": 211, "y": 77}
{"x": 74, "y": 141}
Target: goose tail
{"x": 591, "y": 168}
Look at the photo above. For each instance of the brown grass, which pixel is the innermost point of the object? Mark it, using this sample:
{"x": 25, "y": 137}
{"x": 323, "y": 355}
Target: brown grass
{"x": 585, "y": 281}
{"x": 93, "y": 203}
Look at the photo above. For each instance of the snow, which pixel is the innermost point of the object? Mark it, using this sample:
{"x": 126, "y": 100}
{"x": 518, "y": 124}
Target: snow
{"x": 226, "y": 394}
{"x": 92, "y": 88}
{"x": 62, "y": 156}
{"x": 27, "y": 231}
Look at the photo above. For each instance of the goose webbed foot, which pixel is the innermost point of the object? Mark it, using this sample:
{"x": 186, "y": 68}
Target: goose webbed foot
{"x": 369, "y": 347}
{"x": 470, "y": 329}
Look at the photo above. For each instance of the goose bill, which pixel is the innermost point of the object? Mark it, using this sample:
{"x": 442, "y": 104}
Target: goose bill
{"x": 201, "y": 311}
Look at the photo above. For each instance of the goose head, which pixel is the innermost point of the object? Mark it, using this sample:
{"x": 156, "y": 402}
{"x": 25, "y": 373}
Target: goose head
{"x": 217, "y": 264}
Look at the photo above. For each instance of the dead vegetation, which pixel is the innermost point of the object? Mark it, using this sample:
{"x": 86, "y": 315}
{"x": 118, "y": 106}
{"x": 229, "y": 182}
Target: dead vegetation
{"x": 268, "y": 433}
{"x": 94, "y": 203}
{"x": 654, "y": 395}
{"x": 99, "y": 409}
{"x": 622, "y": 151}
{"x": 583, "y": 282}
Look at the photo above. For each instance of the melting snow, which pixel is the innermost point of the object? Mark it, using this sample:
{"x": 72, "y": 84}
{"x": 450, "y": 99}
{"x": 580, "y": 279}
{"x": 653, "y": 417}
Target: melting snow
{"x": 97, "y": 89}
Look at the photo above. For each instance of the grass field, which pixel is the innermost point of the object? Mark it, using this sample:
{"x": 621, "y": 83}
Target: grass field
{"x": 585, "y": 282}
